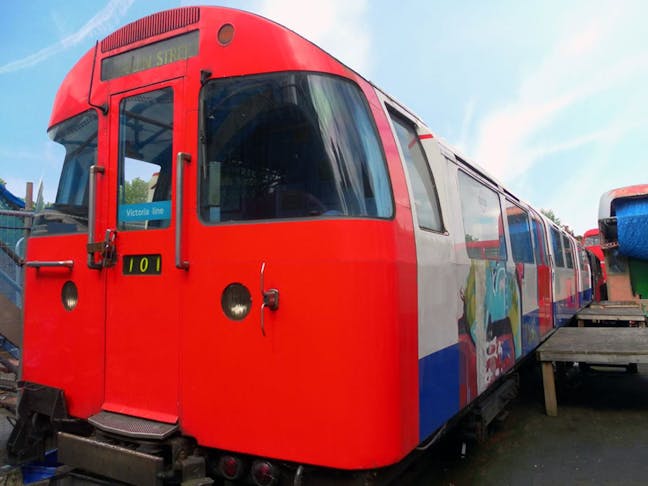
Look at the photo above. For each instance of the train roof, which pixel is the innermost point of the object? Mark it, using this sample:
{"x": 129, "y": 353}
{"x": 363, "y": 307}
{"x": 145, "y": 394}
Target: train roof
{"x": 74, "y": 94}
{"x": 83, "y": 87}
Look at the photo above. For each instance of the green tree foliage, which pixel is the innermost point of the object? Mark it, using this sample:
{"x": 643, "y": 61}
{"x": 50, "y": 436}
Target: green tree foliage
{"x": 3, "y": 182}
{"x": 136, "y": 191}
{"x": 552, "y": 216}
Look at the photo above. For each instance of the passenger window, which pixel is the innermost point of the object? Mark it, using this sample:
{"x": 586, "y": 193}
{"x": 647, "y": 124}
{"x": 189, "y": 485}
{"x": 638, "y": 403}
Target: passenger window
{"x": 569, "y": 259}
{"x": 482, "y": 218}
{"x": 557, "y": 248}
{"x": 520, "y": 233}
{"x": 423, "y": 186}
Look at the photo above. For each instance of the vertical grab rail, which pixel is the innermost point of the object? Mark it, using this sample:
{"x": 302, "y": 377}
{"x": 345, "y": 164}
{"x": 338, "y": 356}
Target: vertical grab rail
{"x": 92, "y": 207}
{"x": 181, "y": 158}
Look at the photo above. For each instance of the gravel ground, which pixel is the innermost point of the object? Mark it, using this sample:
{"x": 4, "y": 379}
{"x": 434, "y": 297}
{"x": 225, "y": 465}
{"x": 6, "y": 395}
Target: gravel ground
{"x": 600, "y": 437}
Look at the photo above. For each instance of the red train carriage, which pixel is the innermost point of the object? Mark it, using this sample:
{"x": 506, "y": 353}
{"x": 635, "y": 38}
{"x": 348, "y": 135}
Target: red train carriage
{"x": 592, "y": 243}
{"x": 258, "y": 259}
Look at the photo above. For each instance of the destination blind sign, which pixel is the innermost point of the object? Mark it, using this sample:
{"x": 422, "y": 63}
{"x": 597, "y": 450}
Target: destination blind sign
{"x": 159, "y": 54}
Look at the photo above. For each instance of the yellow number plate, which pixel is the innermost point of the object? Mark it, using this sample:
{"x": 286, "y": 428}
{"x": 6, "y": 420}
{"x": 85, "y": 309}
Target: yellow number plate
{"x": 142, "y": 264}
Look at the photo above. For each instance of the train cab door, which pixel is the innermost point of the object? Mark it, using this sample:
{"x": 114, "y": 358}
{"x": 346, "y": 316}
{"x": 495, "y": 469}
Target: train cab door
{"x": 143, "y": 285}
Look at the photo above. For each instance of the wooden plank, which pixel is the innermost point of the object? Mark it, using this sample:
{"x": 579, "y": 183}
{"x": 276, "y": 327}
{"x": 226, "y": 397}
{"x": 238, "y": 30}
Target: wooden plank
{"x": 549, "y": 385}
{"x": 612, "y": 345}
{"x": 596, "y": 358}
{"x": 612, "y": 314}
{"x": 630, "y": 311}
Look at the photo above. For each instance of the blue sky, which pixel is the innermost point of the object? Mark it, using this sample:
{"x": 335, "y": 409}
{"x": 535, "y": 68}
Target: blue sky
{"x": 549, "y": 96}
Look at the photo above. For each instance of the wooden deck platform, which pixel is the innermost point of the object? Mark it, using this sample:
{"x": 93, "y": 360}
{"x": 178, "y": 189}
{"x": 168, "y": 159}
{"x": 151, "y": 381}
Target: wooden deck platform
{"x": 593, "y": 345}
{"x": 628, "y": 313}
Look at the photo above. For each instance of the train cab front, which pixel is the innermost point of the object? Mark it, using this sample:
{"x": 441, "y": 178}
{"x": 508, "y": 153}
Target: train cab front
{"x": 225, "y": 286}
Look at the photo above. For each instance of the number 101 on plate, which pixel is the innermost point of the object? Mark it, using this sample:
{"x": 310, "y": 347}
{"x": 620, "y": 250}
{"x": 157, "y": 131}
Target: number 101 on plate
{"x": 142, "y": 264}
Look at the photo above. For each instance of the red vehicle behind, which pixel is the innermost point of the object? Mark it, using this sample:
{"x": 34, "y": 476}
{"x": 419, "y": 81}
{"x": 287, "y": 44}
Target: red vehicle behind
{"x": 592, "y": 243}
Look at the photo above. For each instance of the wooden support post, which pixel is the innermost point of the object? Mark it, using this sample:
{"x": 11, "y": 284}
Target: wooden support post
{"x": 29, "y": 196}
{"x": 551, "y": 404}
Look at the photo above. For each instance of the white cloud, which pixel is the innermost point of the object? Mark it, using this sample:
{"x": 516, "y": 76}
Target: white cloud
{"x": 584, "y": 65}
{"x": 103, "y": 22}
{"x": 337, "y": 26}
{"x": 581, "y": 105}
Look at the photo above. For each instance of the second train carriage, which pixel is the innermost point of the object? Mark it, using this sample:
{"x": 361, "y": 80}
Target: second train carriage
{"x": 305, "y": 274}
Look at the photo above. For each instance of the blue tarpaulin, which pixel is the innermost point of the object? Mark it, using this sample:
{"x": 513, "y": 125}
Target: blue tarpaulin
{"x": 632, "y": 223}
{"x": 8, "y": 200}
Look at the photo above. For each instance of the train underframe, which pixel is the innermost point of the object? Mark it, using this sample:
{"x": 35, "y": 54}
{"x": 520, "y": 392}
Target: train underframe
{"x": 117, "y": 449}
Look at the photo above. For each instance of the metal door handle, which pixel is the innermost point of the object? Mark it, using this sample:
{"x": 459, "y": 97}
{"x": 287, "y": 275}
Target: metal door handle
{"x": 181, "y": 158}
{"x": 60, "y": 263}
{"x": 270, "y": 299}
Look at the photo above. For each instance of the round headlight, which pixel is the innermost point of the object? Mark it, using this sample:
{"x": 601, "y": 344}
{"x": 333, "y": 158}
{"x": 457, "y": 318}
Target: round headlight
{"x": 69, "y": 295}
{"x": 236, "y": 301}
{"x": 225, "y": 34}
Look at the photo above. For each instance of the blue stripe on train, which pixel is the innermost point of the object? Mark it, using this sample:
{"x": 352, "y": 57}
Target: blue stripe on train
{"x": 440, "y": 381}
{"x": 438, "y": 389}
{"x": 530, "y": 331}
{"x": 439, "y": 373}
{"x": 564, "y": 310}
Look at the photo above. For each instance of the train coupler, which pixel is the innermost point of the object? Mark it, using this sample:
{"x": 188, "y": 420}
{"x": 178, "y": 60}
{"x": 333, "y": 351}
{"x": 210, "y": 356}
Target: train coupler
{"x": 40, "y": 409}
{"x": 135, "y": 451}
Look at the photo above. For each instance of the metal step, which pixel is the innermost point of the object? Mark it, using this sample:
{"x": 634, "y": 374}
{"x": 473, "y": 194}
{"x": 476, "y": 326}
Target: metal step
{"x": 135, "y": 427}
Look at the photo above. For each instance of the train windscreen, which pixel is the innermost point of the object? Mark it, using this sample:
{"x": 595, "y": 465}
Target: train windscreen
{"x": 289, "y": 145}
{"x": 69, "y": 214}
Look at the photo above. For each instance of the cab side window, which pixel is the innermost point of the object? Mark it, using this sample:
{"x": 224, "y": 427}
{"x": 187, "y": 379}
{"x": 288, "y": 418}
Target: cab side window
{"x": 421, "y": 179}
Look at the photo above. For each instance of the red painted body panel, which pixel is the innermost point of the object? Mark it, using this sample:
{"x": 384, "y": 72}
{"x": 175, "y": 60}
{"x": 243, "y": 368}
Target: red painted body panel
{"x": 544, "y": 299}
{"x": 60, "y": 348}
{"x": 335, "y": 380}
{"x": 545, "y": 292}
{"x": 142, "y": 327}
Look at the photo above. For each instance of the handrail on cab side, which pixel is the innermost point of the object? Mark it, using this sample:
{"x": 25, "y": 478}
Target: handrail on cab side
{"x": 92, "y": 207}
{"x": 181, "y": 158}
